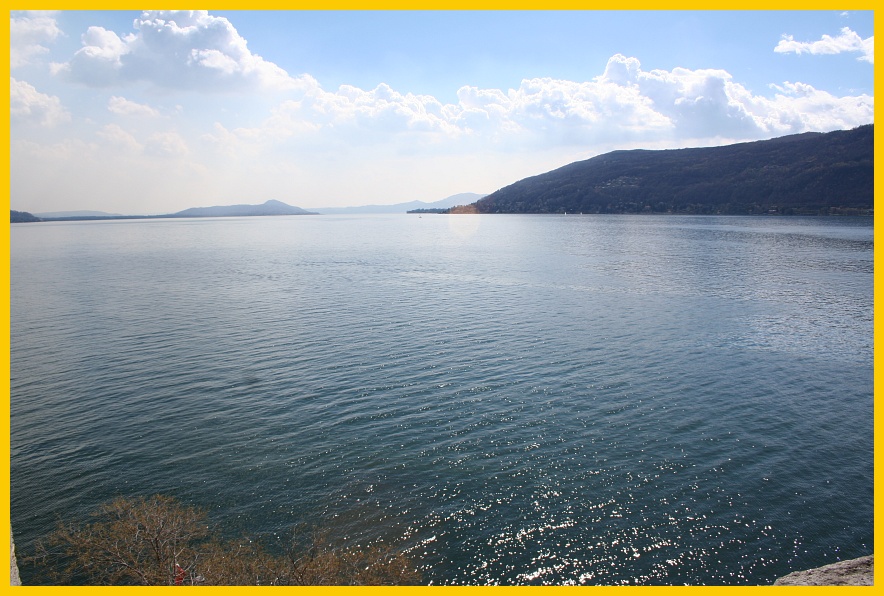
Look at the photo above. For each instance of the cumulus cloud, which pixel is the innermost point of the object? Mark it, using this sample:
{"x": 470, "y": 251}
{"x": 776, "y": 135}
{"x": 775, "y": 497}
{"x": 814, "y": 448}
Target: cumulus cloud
{"x": 624, "y": 106}
{"x": 553, "y": 112}
{"x": 801, "y": 107}
{"x": 621, "y": 70}
{"x": 81, "y": 174}
{"x": 26, "y": 104}
{"x": 382, "y": 108}
{"x": 166, "y": 144}
{"x": 347, "y": 117}
{"x": 124, "y": 107}
{"x": 115, "y": 136}
{"x": 847, "y": 41}
{"x": 182, "y": 50}
{"x": 28, "y": 33}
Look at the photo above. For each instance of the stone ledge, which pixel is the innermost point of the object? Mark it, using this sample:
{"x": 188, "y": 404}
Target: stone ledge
{"x": 13, "y": 567}
{"x": 855, "y": 572}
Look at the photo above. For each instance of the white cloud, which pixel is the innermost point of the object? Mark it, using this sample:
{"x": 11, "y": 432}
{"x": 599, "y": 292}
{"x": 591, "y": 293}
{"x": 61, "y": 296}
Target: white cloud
{"x": 169, "y": 144}
{"x": 124, "y": 107}
{"x": 382, "y": 109}
{"x": 28, "y": 33}
{"x": 809, "y": 109}
{"x": 26, "y": 104}
{"x": 74, "y": 174}
{"x": 222, "y": 140}
{"x": 116, "y": 137}
{"x": 166, "y": 144}
{"x": 184, "y": 50}
{"x": 621, "y": 70}
{"x": 497, "y": 135}
{"x": 847, "y": 41}
{"x": 623, "y": 107}
{"x": 547, "y": 112}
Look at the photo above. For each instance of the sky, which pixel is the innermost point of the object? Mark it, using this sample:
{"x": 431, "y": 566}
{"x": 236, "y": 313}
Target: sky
{"x": 153, "y": 112}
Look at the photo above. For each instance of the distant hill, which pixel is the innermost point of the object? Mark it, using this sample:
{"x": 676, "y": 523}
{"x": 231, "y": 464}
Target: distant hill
{"x": 22, "y": 217}
{"x": 811, "y": 173}
{"x": 458, "y": 199}
{"x": 268, "y": 208}
{"x": 61, "y": 214}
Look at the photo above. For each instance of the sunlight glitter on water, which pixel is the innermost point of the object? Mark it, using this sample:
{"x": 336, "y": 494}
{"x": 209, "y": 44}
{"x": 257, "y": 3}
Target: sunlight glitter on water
{"x": 542, "y": 400}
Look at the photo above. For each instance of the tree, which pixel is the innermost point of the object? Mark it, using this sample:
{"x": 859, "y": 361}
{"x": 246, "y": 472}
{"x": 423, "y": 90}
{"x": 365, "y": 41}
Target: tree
{"x": 157, "y": 541}
{"x": 134, "y": 541}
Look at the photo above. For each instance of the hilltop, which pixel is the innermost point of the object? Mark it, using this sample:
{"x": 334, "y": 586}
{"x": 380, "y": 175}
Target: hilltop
{"x": 22, "y": 217}
{"x": 458, "y": 199}
{"x": 80, "y": 213}
{"x": 267, "y": 208}
{"x": 810, "y": 173}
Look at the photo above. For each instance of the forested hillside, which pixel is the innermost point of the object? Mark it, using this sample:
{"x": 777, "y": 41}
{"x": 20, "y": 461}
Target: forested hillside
{"x": 811, "y": 173}
{"x": 21, "y": 217}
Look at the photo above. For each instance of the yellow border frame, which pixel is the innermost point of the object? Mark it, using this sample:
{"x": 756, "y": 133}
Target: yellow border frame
{"x": 434, "y": 5}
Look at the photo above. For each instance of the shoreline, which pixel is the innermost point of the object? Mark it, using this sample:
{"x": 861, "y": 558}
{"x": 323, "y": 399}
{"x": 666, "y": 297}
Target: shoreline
{"x": 852, "y": 572}
{"x": 14, "y": 579}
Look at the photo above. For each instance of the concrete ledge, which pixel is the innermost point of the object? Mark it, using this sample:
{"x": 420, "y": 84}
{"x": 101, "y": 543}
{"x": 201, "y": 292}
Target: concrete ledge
{"x": 855, "y": 572}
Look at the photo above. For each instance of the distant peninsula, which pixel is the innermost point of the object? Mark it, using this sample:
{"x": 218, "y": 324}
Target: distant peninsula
{"x": 22, "y": 217}
{"x": 409, "y": 207}
{"x": 805, "y": 174}
{"x": 78, "y": 213}
{"x": 267, "y": 208}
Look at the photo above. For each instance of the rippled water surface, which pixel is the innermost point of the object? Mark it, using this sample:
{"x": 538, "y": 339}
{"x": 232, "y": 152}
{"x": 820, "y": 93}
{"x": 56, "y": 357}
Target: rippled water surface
{"x": 515, "y": 399}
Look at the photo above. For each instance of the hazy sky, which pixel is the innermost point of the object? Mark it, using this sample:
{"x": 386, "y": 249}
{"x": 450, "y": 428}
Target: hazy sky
{"x": 153, "y": 112}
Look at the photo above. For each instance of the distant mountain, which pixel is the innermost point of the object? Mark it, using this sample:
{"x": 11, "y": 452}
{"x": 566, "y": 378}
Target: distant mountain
{"x": 811, "y": 173}
{"x": 22, "y": 217}
{"x": 62, "y": 214}
{"x": 268, "y": 208}
{"x": 452, "y": 201}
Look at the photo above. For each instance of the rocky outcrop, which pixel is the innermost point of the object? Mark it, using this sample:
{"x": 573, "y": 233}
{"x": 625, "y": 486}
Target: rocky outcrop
{"x": 855, "y": 572}
{"x": 13, "y": 571}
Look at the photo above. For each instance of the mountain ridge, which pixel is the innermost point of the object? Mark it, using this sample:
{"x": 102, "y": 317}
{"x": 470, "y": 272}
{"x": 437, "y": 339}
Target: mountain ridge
{"x": 452, "y": 201}
{"x": 80, "y": 213}
{"x": 808, "y": 173}
{"x": 270, "y": 207}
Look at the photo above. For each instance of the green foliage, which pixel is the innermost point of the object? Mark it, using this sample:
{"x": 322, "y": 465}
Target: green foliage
{"x": 158, "y": 541}
{"x": 809, "y": 173}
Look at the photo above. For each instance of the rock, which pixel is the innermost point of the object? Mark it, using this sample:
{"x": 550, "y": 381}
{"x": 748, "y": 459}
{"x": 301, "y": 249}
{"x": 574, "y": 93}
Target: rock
{"x": 855, "y": 572}
{"x": 13, "y": 567}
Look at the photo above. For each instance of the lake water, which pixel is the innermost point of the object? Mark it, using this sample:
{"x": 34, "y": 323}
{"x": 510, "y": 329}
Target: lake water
{"x": 514, "y": 399}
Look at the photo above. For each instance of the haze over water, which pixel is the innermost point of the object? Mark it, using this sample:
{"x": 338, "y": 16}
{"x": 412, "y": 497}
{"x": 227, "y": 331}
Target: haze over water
{"x": 515, "y": 399}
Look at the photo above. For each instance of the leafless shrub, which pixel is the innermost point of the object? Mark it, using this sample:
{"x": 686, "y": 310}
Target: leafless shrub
{"x": 158, "y": 541}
